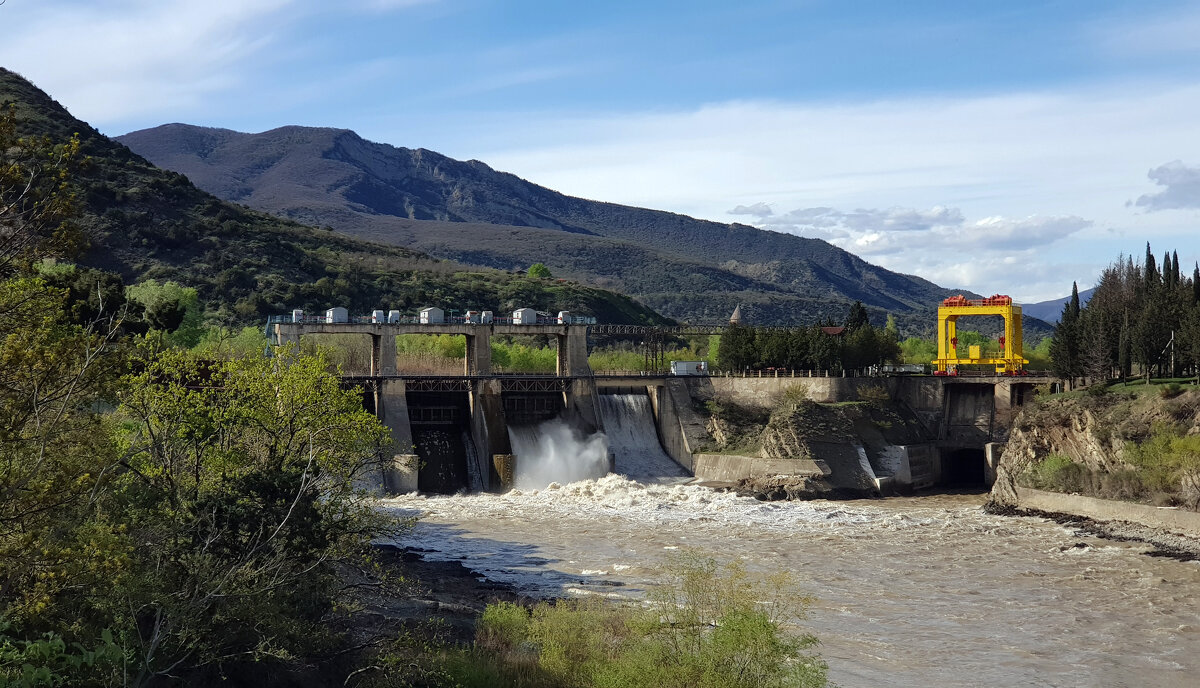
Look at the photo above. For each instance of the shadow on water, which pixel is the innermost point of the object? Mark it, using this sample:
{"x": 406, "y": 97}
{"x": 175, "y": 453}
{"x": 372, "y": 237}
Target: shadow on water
{"x": 522, "y": 566}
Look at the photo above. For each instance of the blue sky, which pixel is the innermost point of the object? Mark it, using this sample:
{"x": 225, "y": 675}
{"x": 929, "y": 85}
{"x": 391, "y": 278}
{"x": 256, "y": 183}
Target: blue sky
{"x": 1002, "y": 147}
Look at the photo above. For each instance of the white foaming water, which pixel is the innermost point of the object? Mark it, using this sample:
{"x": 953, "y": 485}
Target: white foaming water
{"x": 554, "y": 452}
{"x": 633, "y": 440}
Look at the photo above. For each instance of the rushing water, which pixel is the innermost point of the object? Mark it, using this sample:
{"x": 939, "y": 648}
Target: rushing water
{"x": 925, "y": 591}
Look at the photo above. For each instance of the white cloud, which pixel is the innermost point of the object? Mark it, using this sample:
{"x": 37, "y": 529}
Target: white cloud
{"x": 942, "y": 245}
{"x": 757, "y": 210}
{"x": 1182, "y": 187}
{"x": 956, "y": 180}
{"x": 108, "y": 59}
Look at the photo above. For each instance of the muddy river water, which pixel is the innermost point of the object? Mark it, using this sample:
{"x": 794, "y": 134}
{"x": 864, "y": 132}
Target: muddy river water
{"x": 923, "y": 591}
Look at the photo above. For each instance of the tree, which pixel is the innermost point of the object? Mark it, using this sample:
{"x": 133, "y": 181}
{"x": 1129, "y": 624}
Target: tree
{"x": 1150, "y": 272}
{"x": 824, "y": 351}
{"x": 738, "y": 349}
{"x": 857, "y": 317}
{"x": 891, "y": 328}
{"x": 237, "y": 485}
{"x": 772, "y": 345}
{"x": 539, "y": 270}
{"x": 1196, "y": 284}
{"x": 1064, "y": 347}
{"x": 36, "y": 202}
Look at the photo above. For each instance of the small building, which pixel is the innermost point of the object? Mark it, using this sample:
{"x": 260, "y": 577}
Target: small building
{"x": 393, "y": 317}
{"x": 525, "y": 316}
{"x": 689, "y": 367}
{"x": 377, "y": 317}
{"x": 297, "y": 315}
{"x": 337, "y": 315}
{"x": 432, "y": 316}
{"x": 471, "y": 317}
{"x": 486, "y": 318}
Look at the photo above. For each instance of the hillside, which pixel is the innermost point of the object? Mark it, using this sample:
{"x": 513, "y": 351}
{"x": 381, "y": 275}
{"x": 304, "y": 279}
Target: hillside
{"x": 145, "y": 222}
{"x": 685, "y": 268}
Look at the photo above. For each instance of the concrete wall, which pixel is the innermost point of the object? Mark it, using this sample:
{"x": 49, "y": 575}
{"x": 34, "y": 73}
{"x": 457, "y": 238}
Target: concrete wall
{"x": 1109, "y": 510}
{"x": 400, "y": 473}
{"x": 730, "y": 468}
{"x": 680, "y": 429}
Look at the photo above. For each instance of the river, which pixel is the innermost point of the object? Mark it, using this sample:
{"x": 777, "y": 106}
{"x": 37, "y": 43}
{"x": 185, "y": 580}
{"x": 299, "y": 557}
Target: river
{"x": 919, "y": 591}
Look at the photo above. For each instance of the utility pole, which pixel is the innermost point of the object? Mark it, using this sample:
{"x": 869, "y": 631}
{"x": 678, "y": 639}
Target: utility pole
{"x": 1172, "y": 353}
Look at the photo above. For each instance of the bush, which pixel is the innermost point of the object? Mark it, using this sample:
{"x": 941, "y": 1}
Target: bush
{"x": 705, "y": 626}
{"x": 1058, "y": 473}
{"x": 794, "y": 396}
{"x": 874, "y": 394}
{"x": 1170, "y": 390}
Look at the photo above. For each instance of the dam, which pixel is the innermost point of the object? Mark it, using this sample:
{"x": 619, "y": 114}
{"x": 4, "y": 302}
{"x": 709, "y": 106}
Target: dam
{"x": 456, "y": 432}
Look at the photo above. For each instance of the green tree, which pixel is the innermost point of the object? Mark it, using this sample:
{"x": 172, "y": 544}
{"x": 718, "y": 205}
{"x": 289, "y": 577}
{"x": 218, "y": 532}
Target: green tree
{"x": 857, "y": 317}
{"x": 738, "y": 349}
{"x": 1064, "y": 347}
{"x": 1196, "y": 284}
{"x": 237, "y": 486}
{"x": 824, "y": 351}
{"x": 539, "y": 270}
{"x": 170, "y": 308}
{"x": 917, "y": 350}
{"x": 773, "y": 348}
{"x": 892, "y": 329}
{"x": 37, "y": 205}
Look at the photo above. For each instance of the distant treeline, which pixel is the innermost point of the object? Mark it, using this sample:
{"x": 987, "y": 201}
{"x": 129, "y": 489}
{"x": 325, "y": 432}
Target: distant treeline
{"x": 1142, "y": 316}
{"x": 818, "y": 347}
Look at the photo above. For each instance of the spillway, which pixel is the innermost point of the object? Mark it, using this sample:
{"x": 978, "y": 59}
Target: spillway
{"x": 633, "y": 439}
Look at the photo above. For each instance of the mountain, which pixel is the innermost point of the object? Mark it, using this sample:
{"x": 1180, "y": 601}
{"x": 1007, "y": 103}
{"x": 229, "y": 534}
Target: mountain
{"x": 144, "y": 222}
{"x": 1051, "y": 310}
{"x": 685, "y": 268}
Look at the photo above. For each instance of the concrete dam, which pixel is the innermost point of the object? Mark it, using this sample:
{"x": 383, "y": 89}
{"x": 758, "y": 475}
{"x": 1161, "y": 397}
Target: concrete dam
{"x": 469, "y": 432}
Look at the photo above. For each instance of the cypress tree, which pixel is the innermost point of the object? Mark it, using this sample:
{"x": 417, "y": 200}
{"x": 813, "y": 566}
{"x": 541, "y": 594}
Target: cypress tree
{"x": 1176, "y": 275}
{"x": 1166, "y": 270}
{"x": 857, "y": 317}
{"x": 1149, "y": 272}
{"x": 1196, "y": 284}
{"x": 1064, "y": 346}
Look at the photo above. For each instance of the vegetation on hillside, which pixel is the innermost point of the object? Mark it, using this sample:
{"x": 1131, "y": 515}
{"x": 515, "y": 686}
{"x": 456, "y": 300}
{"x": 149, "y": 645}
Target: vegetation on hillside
{"x": 142, "y": 223}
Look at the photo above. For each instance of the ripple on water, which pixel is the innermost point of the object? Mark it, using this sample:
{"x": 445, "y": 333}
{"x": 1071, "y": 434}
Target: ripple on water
{"x": 911, "y": 592}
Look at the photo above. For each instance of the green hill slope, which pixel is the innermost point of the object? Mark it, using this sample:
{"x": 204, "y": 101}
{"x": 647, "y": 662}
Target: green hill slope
{"x": 145, "y": 222}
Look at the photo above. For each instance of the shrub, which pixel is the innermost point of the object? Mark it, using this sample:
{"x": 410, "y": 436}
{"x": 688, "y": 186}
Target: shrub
{"x": 874, "y": 394}
{"x": 1170, "y": 390}
{"x": 1057, "y": 472}
{"x": 705, "y": 626}
{"x": 794, "y": 396}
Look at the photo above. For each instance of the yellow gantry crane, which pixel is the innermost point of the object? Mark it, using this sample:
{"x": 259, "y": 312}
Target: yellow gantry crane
{"x": 955, "y": 307}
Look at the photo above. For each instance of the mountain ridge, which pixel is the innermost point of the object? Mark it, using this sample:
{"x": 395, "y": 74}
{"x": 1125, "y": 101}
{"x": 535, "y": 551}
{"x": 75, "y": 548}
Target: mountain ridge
{"x": 466, "y": 211}
{"x": 144, "y": 222}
